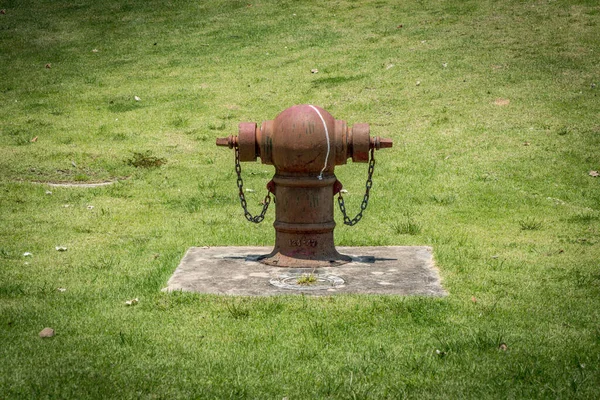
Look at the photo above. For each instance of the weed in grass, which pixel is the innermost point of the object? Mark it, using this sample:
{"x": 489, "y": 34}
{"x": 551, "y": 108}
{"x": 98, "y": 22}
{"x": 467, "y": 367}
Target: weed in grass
{"x": 530, "y": 224}
{"x": 128, "y": 339}
{"x": 21, "y": 138}
{"x": 496, "y": 264}
{"x": 67, "y": 140}
{"x": 443, "y": 199}
{"x": 6, "y": 254}
{"x": 81, "y": 178}
{"x": 217, "y": 126}
{"x": 584, "y": 217}
{"x": 123, "y": 105}
{"x": 306, "y": 279}
{"x": 408, "y": 227}
{"x": 83, "y": 229}
{"x": 586, "y": 278}
{"x": 145, "y": 160}
{"x": 565, "y": 130}
{"x": 9, "y": 289}
{"x": 194, "y": 204}
{"x": 488, "y": 177}
{"x": 119, "y": 137}
{"x": 579, "y": 379}
{"x": 180, "y": 122}
{"x": 319, "y": 330}
{"x": 237, "y": 310}
{"x": 271, "y": 308}
{"x": 228, "y": 116}
{"x": 586, "y": 241}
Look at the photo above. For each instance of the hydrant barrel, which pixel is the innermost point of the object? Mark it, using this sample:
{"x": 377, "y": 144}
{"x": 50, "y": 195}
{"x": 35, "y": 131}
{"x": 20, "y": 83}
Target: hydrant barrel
{"x": 304, "y": 143}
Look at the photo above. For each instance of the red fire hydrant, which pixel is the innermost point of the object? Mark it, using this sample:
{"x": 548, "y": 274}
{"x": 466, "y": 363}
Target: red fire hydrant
{"x": 304, "y": 143}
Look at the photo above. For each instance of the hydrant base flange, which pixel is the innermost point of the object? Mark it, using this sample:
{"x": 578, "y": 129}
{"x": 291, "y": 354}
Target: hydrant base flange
{"x": 277, "y": 259}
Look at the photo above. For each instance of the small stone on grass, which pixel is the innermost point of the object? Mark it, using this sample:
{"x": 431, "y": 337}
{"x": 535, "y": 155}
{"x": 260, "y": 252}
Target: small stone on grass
{"x": 46, "y": 333}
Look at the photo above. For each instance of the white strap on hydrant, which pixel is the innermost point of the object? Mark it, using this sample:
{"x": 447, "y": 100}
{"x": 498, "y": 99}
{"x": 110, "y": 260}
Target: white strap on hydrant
{"x": 328, "y": 141}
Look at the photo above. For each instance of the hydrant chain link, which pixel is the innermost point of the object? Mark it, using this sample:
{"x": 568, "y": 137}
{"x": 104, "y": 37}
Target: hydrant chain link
{"x": 240, "y": 183}
{"x": 365, "y": 202}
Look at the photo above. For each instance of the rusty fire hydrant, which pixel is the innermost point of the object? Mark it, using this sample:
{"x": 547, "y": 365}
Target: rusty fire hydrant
{"x": 304, "y": 143}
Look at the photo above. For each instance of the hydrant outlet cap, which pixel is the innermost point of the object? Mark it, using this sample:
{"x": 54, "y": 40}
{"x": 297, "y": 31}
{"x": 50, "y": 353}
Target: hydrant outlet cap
{"x": 247, "y": 141}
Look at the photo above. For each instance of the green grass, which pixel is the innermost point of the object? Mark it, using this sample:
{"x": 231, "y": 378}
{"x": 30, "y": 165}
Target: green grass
{"x": 501, "y": 193}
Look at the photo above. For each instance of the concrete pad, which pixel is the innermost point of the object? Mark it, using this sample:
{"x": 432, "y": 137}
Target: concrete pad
{"x": 391, "y": 270}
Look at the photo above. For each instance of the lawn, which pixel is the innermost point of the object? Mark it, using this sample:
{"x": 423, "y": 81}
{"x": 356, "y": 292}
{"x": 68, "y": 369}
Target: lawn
{"x": 493, "y": 108}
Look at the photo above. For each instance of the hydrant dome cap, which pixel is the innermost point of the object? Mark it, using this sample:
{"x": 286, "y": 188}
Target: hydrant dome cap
{"x": 303, "y": 140}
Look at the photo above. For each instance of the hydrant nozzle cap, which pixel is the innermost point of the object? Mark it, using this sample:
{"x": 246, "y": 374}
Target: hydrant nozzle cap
{"x": 381, "y": 143}
{"x": 230, "y": 141}
{"x": 385, "y": 143}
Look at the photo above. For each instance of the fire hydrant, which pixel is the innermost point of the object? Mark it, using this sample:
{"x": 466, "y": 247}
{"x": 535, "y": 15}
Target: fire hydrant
{"x": 304, "y": 143}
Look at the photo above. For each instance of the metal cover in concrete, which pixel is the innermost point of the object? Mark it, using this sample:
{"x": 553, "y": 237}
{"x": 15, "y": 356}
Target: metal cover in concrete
{"x": 391, "y": 270}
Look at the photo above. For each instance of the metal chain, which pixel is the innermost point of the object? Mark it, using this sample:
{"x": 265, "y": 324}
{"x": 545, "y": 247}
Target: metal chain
{"x": 240, "y": 183}
{"x": 365, "y": 202}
